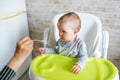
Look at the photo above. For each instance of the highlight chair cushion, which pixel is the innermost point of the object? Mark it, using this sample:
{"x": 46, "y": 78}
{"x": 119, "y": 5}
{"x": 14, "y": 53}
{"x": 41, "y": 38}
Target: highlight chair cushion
{"x": 57, "y": 67}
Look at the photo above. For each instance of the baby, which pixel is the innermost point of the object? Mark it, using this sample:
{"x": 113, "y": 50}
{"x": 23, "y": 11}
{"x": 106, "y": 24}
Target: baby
{"x": 69, "y": 44}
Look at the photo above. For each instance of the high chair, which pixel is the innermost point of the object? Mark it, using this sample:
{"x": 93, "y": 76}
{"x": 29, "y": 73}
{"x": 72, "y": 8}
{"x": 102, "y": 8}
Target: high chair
{"x": 97, "y": 43}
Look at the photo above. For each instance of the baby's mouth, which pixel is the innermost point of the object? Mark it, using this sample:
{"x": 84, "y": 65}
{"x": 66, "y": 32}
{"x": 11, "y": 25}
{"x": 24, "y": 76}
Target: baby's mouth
{"x": 62, "y": 38}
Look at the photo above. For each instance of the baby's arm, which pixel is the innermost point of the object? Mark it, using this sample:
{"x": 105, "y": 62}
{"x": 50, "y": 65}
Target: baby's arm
{"x": 82, "y": 56}
{"x": 46, "y": 50}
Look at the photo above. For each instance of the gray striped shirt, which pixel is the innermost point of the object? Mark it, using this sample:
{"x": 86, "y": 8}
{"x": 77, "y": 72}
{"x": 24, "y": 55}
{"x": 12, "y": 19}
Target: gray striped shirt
{"x": 75, "y": 49}
{"x": 7, "y": 73}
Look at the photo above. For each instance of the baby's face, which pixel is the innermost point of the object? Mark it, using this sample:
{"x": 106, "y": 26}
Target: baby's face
{"x": 66, "y": 33}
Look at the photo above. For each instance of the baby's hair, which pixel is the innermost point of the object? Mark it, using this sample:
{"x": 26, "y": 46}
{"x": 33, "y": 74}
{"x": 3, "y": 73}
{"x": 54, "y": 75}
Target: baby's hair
{"x": 72, "y": 18}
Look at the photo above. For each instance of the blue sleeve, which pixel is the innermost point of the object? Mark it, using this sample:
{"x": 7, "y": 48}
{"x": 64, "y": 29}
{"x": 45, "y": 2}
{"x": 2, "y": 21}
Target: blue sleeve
{"x": 53, "y": 50}
{"x": 50, "y": 50}
{"x": 82, "y": 56}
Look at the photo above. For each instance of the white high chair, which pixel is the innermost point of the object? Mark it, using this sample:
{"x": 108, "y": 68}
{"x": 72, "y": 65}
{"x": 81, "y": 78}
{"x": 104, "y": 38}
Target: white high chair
{"x": 13, "y": 25}
{"x": 97, "y": 41}
{"x": 91, "y": 32}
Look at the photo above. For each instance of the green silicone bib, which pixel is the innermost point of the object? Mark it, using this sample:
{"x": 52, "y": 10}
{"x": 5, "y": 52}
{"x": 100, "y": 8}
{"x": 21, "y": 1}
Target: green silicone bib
{"x": 57, "y": 67}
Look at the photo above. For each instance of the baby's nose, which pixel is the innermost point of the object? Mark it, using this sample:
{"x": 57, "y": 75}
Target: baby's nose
{"x": 60, "y": 33}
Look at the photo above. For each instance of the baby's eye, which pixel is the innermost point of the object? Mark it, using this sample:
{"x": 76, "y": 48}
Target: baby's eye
{"x": 64, "y": 31}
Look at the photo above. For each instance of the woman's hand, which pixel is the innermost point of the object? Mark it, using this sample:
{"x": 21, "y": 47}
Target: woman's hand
{"x": 23, "y": 50}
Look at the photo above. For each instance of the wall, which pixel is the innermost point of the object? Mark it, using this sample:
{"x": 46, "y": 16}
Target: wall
{"x": 41, "y": 12}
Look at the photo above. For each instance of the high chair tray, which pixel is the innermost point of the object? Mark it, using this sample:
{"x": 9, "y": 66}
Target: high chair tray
{"x": 57, "y": 67}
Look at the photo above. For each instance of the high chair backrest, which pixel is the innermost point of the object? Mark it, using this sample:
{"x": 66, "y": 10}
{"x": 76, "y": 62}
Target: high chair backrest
{"x": 91, "y": 33}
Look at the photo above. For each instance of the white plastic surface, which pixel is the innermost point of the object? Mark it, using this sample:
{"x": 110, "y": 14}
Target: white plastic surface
{"x": 105, "y": 43}
{"x": 13, "y": 25}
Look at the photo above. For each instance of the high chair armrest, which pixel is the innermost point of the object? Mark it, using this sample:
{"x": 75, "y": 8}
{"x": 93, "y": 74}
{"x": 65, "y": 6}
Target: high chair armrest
{"x": 46, "y": 34}
{"x": 105, "y": 43}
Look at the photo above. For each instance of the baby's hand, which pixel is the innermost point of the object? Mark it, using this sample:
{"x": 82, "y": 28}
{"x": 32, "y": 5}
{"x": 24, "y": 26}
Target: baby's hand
{"x": 40, "y": 50}
{"x": 76, "y": 68}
